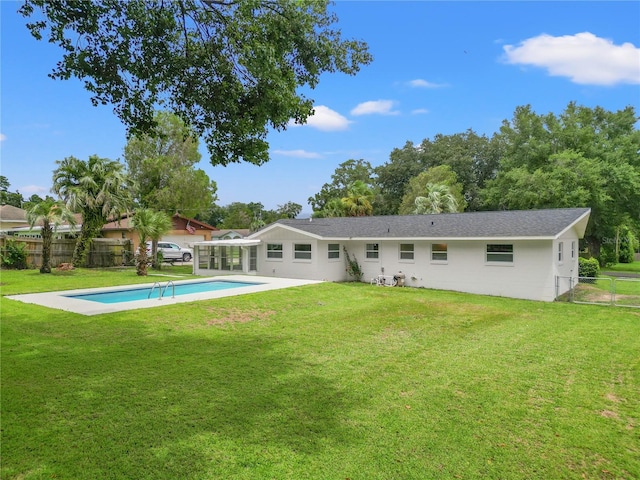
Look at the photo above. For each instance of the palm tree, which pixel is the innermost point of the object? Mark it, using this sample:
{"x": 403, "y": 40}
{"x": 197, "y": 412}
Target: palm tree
{"x": 333, "y": 208}
{"x": 149, "y": 225}
{"x": 51, "y": 214}
{"x": 98, "y": 189}
{"x": 357, "y": 203}
{"x": 439, "y": 199}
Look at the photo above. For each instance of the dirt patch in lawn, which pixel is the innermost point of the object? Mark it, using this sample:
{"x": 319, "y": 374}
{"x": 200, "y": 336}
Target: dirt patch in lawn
{"x": 236, "y": 315}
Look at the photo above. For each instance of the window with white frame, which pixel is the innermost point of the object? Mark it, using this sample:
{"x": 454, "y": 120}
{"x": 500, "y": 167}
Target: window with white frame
{"x": 439, "y": 252}
{"x": 500, "y": 252}
{"x": 274, "y": 251}
{"x": 573, "y": 250}
{"x": 203, "y": 257}
{"x": 372, "y": 251}
{"x": 302, "y": 251}
{"x": 560, "y": 252}
{"x": 333, "y": 251}
{"x": 406, "y": 251}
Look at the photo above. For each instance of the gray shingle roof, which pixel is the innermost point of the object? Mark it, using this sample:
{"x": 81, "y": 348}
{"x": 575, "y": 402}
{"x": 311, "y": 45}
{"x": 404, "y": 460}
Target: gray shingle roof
{"x": 507, "y": 224}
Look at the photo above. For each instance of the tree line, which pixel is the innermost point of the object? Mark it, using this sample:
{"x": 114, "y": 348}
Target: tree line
{"x": 582, "y": 157}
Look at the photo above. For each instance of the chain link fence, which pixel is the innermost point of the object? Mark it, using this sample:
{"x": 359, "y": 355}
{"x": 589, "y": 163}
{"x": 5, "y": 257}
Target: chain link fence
{"x": 622, "y": 292}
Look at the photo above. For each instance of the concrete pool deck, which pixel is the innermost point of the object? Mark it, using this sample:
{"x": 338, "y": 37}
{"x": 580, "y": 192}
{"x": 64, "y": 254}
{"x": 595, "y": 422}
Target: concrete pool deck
{"x": 59, "y": 300}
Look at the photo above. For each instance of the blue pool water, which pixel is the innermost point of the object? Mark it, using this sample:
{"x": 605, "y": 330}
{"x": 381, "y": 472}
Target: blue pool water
{"x": 133, "y": 294}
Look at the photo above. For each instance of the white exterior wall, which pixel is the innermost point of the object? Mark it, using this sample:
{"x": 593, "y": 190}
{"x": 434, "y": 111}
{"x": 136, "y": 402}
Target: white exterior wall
{"x": 320, "y": 267}
{"x": 530, "y": 276}
{"x": 568, "y": 266}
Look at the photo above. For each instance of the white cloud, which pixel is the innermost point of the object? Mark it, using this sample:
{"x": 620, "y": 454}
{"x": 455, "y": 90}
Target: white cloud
{"x": 381, "y": 107}
{"x": 325, "y": 119}
{"x": 297, "y": 153}
{"x": 3, "y": 137}
{"x": 584, "y": 58}
{"x": 420, "y": 83}
{"x": 419, "y": 111}
{"x": 33, "y": 189}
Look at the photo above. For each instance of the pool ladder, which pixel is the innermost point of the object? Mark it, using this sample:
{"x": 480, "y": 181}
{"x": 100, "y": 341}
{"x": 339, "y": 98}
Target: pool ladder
{"x": 162, "y": 291}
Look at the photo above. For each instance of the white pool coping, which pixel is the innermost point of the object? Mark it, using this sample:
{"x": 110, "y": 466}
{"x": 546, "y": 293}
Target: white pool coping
{"x": 61, "y": 301}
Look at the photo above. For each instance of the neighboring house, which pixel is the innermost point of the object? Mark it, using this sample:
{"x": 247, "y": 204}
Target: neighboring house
{"x": 23, "y": 230}
{"x": 519, "y": 254}
{"x": 12, "y": 217}
{"x": 185, "y": 231}
{"x": 226, "y": 234}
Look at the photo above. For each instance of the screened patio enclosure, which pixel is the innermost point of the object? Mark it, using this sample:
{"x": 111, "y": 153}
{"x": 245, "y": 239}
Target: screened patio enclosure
{"x": 237, "y": 255}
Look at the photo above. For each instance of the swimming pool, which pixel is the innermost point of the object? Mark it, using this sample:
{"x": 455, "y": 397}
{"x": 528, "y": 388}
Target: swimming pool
{"x": 159, "y": 291}
{"x": 73, "y": 301}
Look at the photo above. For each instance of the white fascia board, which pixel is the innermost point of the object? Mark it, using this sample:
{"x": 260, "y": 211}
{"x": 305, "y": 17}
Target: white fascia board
{"x": 230, "y": 242}
{"x": 580, "y": 224}
{"x": 444, "y": 239}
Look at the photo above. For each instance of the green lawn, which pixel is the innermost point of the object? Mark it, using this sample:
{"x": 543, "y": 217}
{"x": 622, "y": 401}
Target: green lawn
{"x": 328, "y": 381}
{"x": 624, "y": 267}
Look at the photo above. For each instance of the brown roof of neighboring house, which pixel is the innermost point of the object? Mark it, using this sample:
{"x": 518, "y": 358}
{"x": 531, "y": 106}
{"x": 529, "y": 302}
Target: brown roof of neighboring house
{"x": 9, "y": 213}
{"x": 125, "y": 223}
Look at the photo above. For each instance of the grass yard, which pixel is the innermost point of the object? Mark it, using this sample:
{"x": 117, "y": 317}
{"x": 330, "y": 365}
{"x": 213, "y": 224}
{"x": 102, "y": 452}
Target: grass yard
{"x": 328, "y": 381}
{"x": 624, "y": 267}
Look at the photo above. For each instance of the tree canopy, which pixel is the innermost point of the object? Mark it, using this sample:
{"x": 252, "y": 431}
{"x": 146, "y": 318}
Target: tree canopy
{"x": 229, "y": 69}
{"x": 583, "y": 157}
{"x": 424, "y": 186}
{"x": 344, "y": 176}
{"x": 162, "y": 169}
{"x": 14, "y": 199}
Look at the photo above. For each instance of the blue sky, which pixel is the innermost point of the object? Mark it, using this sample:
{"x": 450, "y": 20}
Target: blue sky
{"x": 439, "y": 67}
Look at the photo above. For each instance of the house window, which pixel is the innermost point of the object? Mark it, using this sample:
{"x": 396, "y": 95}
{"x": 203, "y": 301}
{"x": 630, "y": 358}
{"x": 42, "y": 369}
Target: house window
{"x": 372, "y": 250}
{"x": 573, "y": 250}
{"x": 560, "y": 252}
{"x": 502, "y": 253}
{"x": 274, "y": 250}
{"x": 203, "y": 257}
{"x": 439, "y": 252}
{"x": 333, "y": 250}
{"x": 406, "y": 251}
{"x": 302, "y": 251}
{"x": 214, "y": 258}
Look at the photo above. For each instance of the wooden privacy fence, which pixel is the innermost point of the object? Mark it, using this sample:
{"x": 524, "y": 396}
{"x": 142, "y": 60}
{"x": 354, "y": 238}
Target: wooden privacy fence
{"x": 104, "y": 252}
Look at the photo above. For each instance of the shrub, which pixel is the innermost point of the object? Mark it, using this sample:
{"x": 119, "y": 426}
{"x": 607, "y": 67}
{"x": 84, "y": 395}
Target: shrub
{"x": 14, "y": 255}
{"x": 608, "y": 255}
{"x": 588, "y": 267}
{"x": 628, "y": 245}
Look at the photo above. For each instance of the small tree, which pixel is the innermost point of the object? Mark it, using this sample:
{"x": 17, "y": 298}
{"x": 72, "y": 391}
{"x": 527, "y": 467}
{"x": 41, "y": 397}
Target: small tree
{"x": 149, "y": 225}
{"x": 357, "y": 203}
{"x": 50, "y": 214}
{"x": 438, "y": 199}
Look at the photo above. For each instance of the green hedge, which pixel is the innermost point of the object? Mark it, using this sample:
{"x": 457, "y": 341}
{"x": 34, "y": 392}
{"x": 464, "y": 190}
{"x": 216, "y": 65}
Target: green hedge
{"x": 588, "y": 267}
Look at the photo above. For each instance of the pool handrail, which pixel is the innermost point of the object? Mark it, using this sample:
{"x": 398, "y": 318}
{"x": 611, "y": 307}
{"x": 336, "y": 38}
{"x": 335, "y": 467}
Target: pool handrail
{"x": 157, "y": 284}
{"x": 173, "y": 289}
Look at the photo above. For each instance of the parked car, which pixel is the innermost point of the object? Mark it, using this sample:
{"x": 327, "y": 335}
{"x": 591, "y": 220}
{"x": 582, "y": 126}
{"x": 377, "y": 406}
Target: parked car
{"x": 172, "y": 251}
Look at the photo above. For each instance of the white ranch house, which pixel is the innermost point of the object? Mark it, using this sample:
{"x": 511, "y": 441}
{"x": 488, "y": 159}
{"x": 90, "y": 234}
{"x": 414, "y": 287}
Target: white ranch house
{"x": 518, "y": 254}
